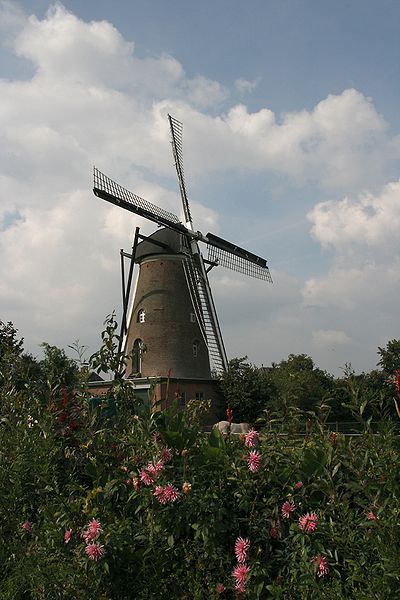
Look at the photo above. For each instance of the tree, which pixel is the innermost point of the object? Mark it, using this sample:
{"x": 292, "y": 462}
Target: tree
{"x": 390, "y": 357}
{"x": 247, "y": 389}
{"x": 299, "y": 383}
{"x": 9, "y": 344}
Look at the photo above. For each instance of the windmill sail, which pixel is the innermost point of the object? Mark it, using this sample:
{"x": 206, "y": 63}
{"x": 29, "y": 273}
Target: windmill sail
{"x": 109, "y": 190}
{"x": 196, "y": 273}
{"x": 238, "y": 259}
{"x": 177, "y": 150}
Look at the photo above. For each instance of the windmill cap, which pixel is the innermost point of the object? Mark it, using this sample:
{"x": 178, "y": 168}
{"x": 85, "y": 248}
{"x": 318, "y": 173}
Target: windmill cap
{"x": 169, "y": 242}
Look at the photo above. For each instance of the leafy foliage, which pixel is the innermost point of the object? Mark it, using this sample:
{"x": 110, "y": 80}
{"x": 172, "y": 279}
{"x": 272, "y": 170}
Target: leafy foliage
{"x": 65, "y": 461}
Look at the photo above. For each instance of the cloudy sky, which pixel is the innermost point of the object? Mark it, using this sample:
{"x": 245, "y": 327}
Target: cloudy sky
{"x": 292, "y": 149}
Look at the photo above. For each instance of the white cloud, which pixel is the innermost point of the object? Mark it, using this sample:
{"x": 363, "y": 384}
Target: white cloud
{"x": 329, "y": 337}
{"x": 205, "y": 93}
{"x": 244, "y": 86}
{"x": 368, "y": 219}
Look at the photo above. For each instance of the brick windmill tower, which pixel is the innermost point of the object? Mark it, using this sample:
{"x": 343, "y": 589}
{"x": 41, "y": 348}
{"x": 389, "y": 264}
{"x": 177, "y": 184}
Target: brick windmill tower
{"x": 171, "y": 328}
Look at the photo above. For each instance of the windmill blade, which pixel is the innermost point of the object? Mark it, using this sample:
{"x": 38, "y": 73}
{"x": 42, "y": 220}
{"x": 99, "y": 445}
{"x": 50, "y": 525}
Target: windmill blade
{"x": 107, "y": 189}
{"x": 177, "y": 149}
{"x": 215, "y": 343}
{"x": 238, "y": 259}
{"x": 204, "y": 307}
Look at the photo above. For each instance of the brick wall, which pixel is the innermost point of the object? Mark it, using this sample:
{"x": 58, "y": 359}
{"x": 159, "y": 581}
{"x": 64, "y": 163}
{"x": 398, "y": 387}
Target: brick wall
{"x": 167, "y": 332}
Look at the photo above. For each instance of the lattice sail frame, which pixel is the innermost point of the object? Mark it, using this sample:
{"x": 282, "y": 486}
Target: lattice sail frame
{"x": 104, "y": 186}
{"x": 236, "y": 263}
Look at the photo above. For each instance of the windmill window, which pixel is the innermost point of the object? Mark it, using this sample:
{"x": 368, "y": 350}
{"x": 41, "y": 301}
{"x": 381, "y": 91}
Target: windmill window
{"x": 141, "y": 316}
{"x": 137, "y": 357}
{"x": 195, "y": 348}
{"x": 192, "y": 317}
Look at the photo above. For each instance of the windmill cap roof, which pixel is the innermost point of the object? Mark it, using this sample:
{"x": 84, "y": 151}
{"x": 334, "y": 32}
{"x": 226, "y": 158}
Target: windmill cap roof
{"x": 171, "y": 239}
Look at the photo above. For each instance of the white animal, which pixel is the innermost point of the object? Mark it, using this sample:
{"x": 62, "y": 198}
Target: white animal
{"x": 223, "y": 427}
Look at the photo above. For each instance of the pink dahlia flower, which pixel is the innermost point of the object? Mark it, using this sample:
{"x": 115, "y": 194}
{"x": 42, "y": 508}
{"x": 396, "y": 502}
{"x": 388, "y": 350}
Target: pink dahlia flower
{"x": 308, "y": 522}
{"x": 251, "y": 438}
{"x": 171, "y": 493}
{"x": 159, "y": 467}
{"x": 298, "y": 485}
{"x": 241, "y": 575}
{"x": 146, "y": 478}
{"x": 95, "y": 551}
{"x": 166, "y": 455}
{"x": 254, "y": 461}
{"x": 220, "y": 588}
{"x": 371, "y": 516}
{"x": 92, "y": 530}
{"x": 287, "y": 509}
{"x": 27, "y": 526}
{"x": 151, "y": 470}
{"x": 166, "y": 494}
{"x": 242, "y": 546}
{"x": 321, "y": 565}
{"x": 67, "y": 535}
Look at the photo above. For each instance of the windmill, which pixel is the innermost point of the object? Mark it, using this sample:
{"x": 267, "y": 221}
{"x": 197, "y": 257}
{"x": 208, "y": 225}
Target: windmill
{"x": 173, "y": 322}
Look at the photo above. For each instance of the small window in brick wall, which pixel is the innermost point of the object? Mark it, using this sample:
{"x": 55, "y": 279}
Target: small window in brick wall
{"x": 137, "y": 352}
{"x": 192, "y": 318}
{"x": 196, "y": 345}
{"x": 199, "y": 396}
{"x": 141, "y": 316}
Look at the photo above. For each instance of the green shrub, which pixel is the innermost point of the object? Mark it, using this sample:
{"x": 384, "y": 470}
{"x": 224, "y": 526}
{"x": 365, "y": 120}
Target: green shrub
{"x": 169, "y": 502}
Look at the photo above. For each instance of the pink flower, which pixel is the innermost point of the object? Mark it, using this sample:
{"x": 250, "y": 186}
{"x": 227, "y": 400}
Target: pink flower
{"x": 158, "y": 492}
{"x": 321, "y": 565}
{"x": 242, "y": 546}
{"x": 159, "y": 467}
{"x": 95, "y": 551}
{"x": 287, "y": 509}
{"x": 92, "y": 531}
{"x": 166, "y": 455}
{"x": 371, "y": 516}
{"x": 145, "y": 478}
{"x": 166, "y": 494}
{"x": 241, "y": 574}
{"x": 254, "y": 461}
{"x": 251, "y": 438}
{"x": 151, "y": 470}
{"x": 220, "y": 588}
{"x": 298, "y": 485}
{"x": 171, "y": 493}
{"x": 67, "y": 535}
{"x": 27, "y": 526}
{"x": 308, "y": 522}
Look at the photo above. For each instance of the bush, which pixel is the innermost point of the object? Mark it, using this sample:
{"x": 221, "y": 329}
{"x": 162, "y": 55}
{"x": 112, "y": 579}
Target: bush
{"x": 130, "y": 503}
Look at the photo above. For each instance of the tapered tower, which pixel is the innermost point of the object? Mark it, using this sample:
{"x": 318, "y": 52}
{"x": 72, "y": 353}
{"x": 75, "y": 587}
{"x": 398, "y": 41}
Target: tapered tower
{"x": 164, "y": 336}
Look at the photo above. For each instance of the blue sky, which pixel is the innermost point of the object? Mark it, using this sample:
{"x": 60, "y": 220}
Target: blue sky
{"x": 292, "y": 148}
